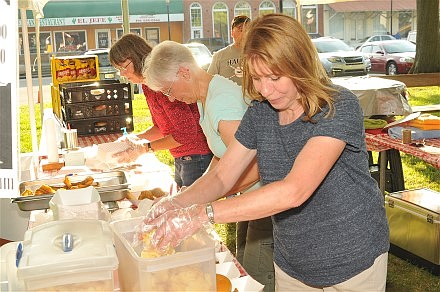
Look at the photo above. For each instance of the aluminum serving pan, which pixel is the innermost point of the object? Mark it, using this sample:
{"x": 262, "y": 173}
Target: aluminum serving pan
{"x": 111, "y": 186}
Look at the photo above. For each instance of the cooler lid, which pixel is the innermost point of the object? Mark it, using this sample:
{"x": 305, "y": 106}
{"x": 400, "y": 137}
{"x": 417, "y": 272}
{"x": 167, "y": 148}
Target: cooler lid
{"x": 425, "y": 198}
{"x": 89, "y": 247}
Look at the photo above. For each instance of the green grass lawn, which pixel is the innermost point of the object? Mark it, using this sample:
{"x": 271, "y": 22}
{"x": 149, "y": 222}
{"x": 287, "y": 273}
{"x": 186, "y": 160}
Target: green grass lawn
{"x": 402, "y": 276}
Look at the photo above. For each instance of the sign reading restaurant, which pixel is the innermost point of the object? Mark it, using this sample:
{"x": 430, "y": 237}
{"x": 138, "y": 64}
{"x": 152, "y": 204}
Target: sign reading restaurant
{"x": 102, "y": 20}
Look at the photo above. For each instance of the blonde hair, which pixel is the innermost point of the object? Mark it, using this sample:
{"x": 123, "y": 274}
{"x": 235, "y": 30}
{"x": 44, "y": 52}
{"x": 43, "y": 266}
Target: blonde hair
{"x": 164, "y": 62}
{"x": 282, "y": 44}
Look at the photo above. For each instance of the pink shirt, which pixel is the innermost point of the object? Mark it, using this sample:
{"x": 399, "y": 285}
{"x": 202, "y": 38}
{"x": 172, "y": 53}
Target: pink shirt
{"x": 179, "y": 120}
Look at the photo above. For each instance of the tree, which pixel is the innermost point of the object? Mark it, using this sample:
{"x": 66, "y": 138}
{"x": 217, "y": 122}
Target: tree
{"x": 428, "y": 38}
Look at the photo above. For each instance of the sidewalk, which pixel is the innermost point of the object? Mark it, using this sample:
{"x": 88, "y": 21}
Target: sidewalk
{"x": 22, "y": 91}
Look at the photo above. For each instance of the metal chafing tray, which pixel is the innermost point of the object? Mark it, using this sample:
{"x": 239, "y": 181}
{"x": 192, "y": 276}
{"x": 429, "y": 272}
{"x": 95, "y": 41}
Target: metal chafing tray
{"x": 112, "y": 186}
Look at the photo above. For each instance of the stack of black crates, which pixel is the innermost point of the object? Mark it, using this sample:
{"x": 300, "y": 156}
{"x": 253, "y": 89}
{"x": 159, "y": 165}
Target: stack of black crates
{"x": 98, "y": 107}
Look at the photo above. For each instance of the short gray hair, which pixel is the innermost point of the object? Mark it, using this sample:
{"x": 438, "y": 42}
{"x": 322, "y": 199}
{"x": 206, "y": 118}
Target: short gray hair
{"x": 164, "y": 61}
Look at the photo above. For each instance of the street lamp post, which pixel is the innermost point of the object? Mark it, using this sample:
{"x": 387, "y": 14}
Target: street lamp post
{"x": 168, "y": 13}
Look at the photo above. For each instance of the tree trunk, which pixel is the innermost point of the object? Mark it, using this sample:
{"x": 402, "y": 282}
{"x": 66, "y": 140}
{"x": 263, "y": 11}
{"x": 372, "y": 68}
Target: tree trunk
{"x": 428, "y": 38}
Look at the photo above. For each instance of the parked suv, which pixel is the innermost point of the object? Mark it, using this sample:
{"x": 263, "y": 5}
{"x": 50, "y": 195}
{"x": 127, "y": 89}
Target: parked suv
{"x": 339, "y": 59}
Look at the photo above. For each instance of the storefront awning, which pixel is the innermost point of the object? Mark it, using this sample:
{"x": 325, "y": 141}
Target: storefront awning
{"x": 374, "y": 5}
{"x": 95, "y": 8}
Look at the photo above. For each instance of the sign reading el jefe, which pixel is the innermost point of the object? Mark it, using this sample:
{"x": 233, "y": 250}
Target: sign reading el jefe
{"x": 8, "y": 92}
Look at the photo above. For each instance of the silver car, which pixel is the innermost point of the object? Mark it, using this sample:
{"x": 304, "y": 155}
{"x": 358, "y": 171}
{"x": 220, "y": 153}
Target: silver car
{"x": 339, "y": 59}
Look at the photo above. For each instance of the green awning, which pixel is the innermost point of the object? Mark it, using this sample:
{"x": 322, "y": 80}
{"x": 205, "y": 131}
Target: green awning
{"x": 90, "y": 8}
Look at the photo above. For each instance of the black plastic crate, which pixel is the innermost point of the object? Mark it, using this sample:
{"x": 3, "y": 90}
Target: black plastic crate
{"x": 102, "y": 125}
{"x": 77, "y": 111}
{"x": 96, "y": 91}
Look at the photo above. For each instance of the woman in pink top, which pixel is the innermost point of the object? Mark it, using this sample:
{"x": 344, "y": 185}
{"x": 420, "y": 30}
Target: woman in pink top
{"x": 175, "y": 124}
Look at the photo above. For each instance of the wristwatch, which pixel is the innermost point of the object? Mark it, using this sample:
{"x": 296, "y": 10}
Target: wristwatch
{"x": 210, "y": 213}
{"x": 149, "y": 149}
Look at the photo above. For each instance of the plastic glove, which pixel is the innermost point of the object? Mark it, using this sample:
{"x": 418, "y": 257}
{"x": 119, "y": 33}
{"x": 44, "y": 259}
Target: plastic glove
{"x": 135, "y": 148}
{"x": 175, "y": 226}
{"x": 163, "y": 205}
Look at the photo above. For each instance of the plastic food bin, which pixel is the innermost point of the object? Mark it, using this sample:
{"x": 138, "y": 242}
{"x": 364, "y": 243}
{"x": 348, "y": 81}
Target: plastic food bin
{"x": 191, "y": 268}
{"x": 90, "y": 265}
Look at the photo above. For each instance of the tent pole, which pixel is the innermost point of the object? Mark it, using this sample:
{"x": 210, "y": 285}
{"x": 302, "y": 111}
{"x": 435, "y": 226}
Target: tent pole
{"x": 27, "y": 61}
{"x": 40, "y": 76}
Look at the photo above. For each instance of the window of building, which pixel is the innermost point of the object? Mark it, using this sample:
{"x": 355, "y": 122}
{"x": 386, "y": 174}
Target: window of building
{"x": 70, "y": 41}
{"x": 309, "y": 18}
{"x": 380, "y": 23}
{"x": 220, "y": 18}
{"x": 195, "y": 11}
{"x": 152, "y": 35}
{"x": 243, "y": 8}
{"x": 336, "y": 25}
{"x": 45, "y": 43}
{"x": 102, "y": 38}
{"x": 405, "y": 23}
{"x": 120, "y": 31}
{"x": 267, "y": 7}
{"x": 289, "y": 8}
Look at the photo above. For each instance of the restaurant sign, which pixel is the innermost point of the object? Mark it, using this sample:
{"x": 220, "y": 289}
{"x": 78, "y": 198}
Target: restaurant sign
{"x": 73, "y": 21}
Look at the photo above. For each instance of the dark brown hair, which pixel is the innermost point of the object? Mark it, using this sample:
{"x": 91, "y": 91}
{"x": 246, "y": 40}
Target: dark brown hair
{"x": 239, "y": 19}
{"x": 130, "y": 46}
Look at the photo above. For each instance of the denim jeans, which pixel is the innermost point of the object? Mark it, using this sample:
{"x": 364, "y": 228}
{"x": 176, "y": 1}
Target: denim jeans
{"x": 189, "y": 168}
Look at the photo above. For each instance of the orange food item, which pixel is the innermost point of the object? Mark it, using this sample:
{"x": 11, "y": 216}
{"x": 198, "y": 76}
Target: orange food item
{"x": 223, "y": 283}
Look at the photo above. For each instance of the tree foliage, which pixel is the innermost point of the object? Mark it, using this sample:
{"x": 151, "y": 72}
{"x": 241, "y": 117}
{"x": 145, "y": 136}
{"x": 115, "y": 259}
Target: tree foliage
{"x": 428, "y": 38}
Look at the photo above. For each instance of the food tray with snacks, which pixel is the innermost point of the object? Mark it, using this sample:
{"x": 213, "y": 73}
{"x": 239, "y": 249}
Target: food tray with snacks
{"x": 36, "y": 194}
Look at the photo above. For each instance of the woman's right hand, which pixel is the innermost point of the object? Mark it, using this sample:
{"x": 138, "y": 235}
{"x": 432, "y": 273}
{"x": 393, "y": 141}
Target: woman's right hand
{"x": 162, "y": 206}
{"x": 135, "y": 147}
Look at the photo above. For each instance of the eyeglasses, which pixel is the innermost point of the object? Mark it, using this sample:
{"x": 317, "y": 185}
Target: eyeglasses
{"x": 168, "y": 92}
{"x": 124, "y": 68}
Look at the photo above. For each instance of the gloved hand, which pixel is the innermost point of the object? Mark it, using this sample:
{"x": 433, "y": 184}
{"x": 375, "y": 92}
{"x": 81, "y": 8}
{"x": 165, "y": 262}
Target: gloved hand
{"x": 175, "y": 226}
{"x": 135, "y": 148}
{"x": 163, "y": 205}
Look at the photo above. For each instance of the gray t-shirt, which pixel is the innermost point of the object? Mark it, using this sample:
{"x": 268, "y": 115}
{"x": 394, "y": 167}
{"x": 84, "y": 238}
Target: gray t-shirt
{"x": 340, "y": 230}
{"x": 227, "y": 63}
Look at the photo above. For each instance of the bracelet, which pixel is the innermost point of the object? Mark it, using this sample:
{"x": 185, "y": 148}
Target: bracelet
{"x": 149, "y": 149}
{"x": 210, "y": 213}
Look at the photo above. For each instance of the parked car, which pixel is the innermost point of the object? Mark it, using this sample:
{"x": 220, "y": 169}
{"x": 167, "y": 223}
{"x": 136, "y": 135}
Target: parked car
{"x": 390, "y": 57}
{"x": 340, "y": 59}
{"x": 201, "y": 53}
{"x": 375, "y": 38}
{"x": 412, "y": 36}
{"x": 213, "y": 44}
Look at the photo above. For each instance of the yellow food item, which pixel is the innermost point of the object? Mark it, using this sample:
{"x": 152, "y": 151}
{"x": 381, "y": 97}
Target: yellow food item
{"x": 27, "y": 193}
{"x": 44, "y": 190}
{"x": 146, "y": 195}
{"x": 151, "y": 194}
{"x": 150, "y": 252}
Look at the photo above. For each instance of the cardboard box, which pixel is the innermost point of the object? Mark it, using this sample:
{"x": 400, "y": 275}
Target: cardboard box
{"x": 82, "y": 203}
